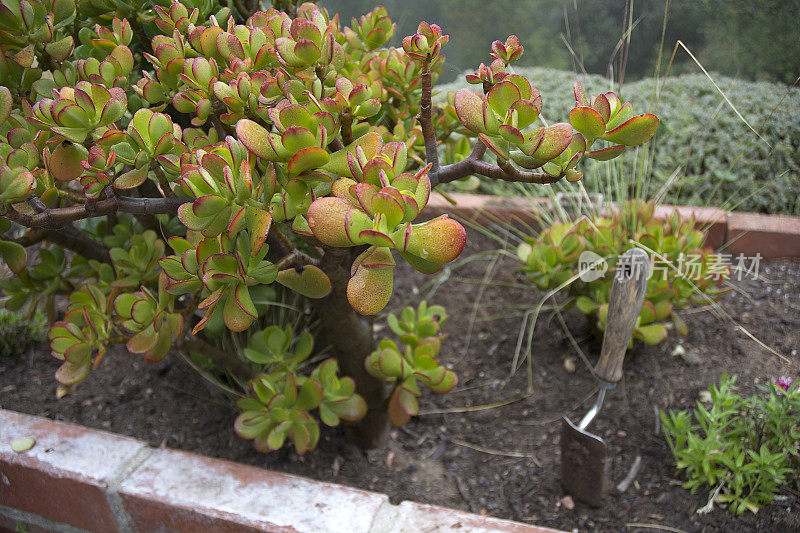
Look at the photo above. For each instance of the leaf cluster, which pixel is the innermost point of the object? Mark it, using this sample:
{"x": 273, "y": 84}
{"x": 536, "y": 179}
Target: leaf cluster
{"x": 741, "y": 448}
{"x": 719, "y": 159}
{"x": 413, "y": 362}
{"x": 281, "y": 399}
{"x": 683, "y": 272}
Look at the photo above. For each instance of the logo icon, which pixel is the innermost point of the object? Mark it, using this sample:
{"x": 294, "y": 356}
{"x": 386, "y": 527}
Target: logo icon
{"x": 591, "y": 266}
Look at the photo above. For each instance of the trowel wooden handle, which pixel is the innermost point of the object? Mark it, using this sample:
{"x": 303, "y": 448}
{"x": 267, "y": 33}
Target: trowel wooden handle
{"x": 625, "y": 303}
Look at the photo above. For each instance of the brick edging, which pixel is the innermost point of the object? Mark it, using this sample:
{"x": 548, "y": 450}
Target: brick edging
{"x": 733, "y": 232}
{"x": 75, "y": 479}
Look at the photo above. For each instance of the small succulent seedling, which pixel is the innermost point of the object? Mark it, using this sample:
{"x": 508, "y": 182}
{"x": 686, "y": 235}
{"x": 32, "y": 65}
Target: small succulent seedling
{"x": 280, "y": 400}
{"x": 412, "y": 363}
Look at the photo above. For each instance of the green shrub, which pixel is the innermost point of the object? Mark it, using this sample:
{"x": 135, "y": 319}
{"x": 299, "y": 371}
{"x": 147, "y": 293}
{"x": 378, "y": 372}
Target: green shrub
{"x": 722, "y": 162}
{"x": 742, "y": 448}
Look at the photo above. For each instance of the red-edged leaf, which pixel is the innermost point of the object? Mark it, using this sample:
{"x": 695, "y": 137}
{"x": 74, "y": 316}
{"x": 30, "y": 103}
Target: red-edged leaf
{"x": 556, "y": 139}
{"x": 606, "y": 153}
{"x": 635, "y": 131}
{"x": 588, "y": 122}
{"x": 469, "y": 108}
{"x": 65, "y": 162}
{"x": 308, "y": 158}
{"x": 502, "y": 96}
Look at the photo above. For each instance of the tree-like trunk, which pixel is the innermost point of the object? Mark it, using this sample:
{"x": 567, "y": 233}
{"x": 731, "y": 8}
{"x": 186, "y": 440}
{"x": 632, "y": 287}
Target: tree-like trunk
{"x": 352, "y": 339}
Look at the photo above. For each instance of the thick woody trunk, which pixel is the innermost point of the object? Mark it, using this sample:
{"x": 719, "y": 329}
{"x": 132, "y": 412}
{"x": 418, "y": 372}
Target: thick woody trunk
{"x": 351, "y": 337}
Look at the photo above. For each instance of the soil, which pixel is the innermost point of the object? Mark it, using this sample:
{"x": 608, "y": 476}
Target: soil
{"x": 465, "y": 451}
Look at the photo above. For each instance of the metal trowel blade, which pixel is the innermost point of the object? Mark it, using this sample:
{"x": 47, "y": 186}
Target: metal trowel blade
{"x": 585, "y": 465}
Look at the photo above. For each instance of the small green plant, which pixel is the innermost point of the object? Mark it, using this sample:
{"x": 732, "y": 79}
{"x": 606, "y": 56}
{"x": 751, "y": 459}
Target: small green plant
{"x": 18, "y": 333}
{"x": 413, "y": 363}
{"x": 683, "y": 272}
{"x": 280, "y": 399}
{"x": 742, "y": 449}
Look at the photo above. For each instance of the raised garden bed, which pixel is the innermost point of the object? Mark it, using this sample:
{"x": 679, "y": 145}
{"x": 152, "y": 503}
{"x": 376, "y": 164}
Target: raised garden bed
{"x": 465, "y": 451}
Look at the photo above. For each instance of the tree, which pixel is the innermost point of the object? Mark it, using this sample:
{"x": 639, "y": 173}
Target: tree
{"x": 258, "y": 154}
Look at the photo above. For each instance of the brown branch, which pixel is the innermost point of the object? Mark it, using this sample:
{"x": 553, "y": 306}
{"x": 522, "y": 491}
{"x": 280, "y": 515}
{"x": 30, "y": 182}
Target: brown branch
{"x": 474, "y": 164}
{"x": 296, "y": 258}
{"x": 425, "y": 120}
{"x": 218, "y": 107}
{"x": 163, "y": 183}
{"x": 505, "y": 171}
{"x": 30, "y": 238}
{"x": 36, "y": 204}
{"x": 284, "y": 253}
{"x": 67, "y": 236}
{"x": 335, "y": 144}
{"x": 240, "y": 7}
{"x": 74, "y": 239}
{"x": 56, "y": 217}
{"x": 460, "y": 169}
{"x": 347, "y": 126}
{"x": 352, "y": 339}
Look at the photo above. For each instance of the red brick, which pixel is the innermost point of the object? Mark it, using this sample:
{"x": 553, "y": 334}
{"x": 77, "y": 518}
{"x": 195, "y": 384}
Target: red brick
{"x": 152, "y": 516}
{"x": 64, "y": 476}
{"x": 178, "y": 491}
{"x": 769, "y": 235}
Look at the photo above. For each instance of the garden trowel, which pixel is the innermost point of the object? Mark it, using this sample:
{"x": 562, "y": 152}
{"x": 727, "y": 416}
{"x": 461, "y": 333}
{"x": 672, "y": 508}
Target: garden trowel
{"x": 585, "y": 465}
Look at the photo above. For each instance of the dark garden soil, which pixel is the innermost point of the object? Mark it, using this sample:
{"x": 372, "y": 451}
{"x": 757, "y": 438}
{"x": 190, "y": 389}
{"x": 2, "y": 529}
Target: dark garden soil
{"x": 462, "y": 452}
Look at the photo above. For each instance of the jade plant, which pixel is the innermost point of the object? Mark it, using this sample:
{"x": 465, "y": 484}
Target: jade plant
{"x": 582, "y": 257}
{"x": 181, "y": 167}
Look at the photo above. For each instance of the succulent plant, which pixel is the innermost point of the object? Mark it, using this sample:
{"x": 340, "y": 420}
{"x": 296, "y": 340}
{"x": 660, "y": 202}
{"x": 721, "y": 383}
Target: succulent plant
{"x": 38, "y": 285}
{"x": 414, "y": 363}
{"x": 138, "y": 264}
{"x": 199, "y": 162}
{"x": 80, "y": 339}
{"x": 427, "y": 43}
{"x": 370, "y": 31}
{"x": 16, "y": 184}
{"x": 606, "y": 117}
{"x": 281, "y": 400}
{"x": 554, "y": 258}
{"x": 375, "y": 205}
{"x": 273, "y": 345}
{"x": 75, "y": 113}
{"x": 220, "y": 275}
